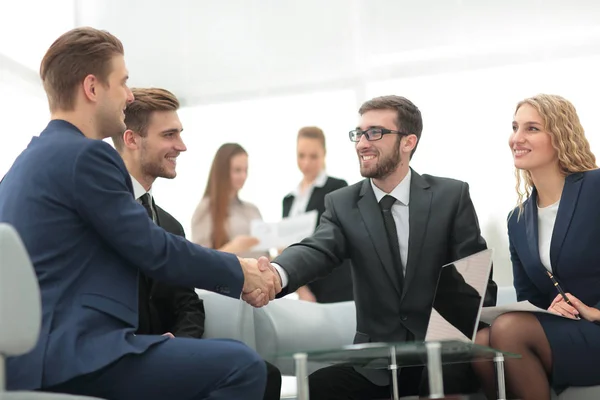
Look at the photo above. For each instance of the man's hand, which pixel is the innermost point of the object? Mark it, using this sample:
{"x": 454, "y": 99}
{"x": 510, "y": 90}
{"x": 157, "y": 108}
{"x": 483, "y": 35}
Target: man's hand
{"x": 261, "y": 281}
{"x": 168, "y": 334}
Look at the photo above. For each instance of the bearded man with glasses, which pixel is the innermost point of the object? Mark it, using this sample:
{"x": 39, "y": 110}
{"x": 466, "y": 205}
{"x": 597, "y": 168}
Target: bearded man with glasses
{"x": 398, "y": 228}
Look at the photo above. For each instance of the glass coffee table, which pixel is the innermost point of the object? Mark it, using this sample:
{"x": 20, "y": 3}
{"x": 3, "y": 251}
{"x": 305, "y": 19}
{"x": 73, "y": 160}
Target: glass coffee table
{"x": 392, "y": 356}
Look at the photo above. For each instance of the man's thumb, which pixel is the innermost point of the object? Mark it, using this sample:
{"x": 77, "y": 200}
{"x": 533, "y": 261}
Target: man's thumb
{"x": 263, "y": 264}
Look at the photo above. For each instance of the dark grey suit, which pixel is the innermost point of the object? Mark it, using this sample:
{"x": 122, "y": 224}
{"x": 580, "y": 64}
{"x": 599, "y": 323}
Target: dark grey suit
{"x": 443, "y": 228}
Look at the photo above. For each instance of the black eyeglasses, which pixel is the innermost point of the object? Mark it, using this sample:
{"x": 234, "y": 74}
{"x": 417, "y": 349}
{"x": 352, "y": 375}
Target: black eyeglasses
{"x": 372, "y": 134}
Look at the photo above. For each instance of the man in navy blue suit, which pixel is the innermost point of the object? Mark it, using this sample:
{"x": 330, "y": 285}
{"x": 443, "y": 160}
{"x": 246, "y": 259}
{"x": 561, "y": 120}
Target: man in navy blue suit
{"x": 70, "y": 197}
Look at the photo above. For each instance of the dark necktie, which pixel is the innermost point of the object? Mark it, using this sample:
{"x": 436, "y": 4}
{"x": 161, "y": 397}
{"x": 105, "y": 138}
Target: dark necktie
{"x": 145, "y": 201}
{"x": 390, "y": 227}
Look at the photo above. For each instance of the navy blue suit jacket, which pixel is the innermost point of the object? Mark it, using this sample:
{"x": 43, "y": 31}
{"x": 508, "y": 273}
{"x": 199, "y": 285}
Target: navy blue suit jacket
{"x": 574, "y": 247}
{"x": 71, "y": 200}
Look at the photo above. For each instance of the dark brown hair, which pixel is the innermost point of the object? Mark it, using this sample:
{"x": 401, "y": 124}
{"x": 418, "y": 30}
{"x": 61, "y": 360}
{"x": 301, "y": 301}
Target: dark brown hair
{"x": 73, "y": 56}
{"x": 218, "y": 190}
{"x": 139, "y": 112}
{"x": 408, "y": 115}
{"x": 312, "y": 132}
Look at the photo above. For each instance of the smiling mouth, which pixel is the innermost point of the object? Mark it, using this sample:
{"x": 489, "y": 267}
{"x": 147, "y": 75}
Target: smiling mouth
{"x": 521, "y": 152}
{"x": 367, "y": 157}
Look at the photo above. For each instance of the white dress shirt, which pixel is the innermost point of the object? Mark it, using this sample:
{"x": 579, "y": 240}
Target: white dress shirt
{"x": 399, "y": 212}
{"x": 302, "y": 197}
{"x": 546, "y": 220}
{"x": 139, "y": 191}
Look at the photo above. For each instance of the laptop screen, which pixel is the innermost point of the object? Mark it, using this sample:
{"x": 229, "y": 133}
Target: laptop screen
{"x": 459, "y": 297}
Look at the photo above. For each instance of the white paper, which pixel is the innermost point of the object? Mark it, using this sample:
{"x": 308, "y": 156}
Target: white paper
{"x": 489, "y": 314}
{"x": 277, "y": 235}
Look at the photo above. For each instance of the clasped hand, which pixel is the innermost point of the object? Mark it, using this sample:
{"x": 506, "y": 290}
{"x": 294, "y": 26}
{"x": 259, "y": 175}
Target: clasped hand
{"x": 578, "y": 309}
{"x": 261, "y": 281}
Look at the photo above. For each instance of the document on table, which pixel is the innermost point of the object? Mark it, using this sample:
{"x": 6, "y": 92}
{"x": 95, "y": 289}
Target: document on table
{"x": 277, "y": 235}
{"x": 489, "y": 314}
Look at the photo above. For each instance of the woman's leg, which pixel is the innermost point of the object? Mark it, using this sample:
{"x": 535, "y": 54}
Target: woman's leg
{"x": 484, "y": 369}
{"x": 522, "y": 333}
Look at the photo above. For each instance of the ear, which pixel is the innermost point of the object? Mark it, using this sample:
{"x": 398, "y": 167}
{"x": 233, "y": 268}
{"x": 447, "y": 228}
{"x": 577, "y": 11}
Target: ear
{"x": 409, "y": 143}
{"x": 131, "y": 139}
{"x": 90, "y": 88}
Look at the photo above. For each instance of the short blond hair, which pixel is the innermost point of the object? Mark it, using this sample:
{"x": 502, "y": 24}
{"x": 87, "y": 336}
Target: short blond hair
{"x": 73, "y": 56}
{"x": 138, "y": 113}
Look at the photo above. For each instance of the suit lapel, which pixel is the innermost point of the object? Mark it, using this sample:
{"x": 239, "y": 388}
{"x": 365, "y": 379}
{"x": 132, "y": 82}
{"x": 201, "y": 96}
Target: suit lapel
{"x": 156, "y": 213}
{"x": 566, "y": 208}
{"x": 531, "y": 227}
{"x": 315, "y": 196}
{"x": 150, "y": 282}
{"x": 373, "y": 220}
{"x": 287, "y": 205}
{"x": 419, "y": 209}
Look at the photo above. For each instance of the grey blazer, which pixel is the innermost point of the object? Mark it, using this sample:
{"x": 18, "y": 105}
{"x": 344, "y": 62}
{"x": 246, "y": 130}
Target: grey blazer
{"x": 443, "y": 228}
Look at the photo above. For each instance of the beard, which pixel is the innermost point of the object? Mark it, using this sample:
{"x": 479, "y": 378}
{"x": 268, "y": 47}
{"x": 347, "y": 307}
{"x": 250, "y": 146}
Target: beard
{"x": 385, "y": 166}
{"x": 156, "y": 170}
{"x": 154, "y": 167}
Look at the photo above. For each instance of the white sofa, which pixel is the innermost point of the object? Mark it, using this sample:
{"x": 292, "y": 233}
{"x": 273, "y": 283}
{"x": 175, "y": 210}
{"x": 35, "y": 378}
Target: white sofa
{"x": 288, "y": 326}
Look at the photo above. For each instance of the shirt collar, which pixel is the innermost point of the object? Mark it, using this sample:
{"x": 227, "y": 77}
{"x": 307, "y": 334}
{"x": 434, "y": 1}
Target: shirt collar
{"x": 319, "y": 181}
{"x": 138, "y": 189}
{"x": 401, "y": 192}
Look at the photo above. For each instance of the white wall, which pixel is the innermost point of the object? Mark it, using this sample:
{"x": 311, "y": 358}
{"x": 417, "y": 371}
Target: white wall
{"x": 467, "y": 121}
{"x": 23, "y": 114}
{"x": 360, "y": 53}
{"x": 267, "y": 129}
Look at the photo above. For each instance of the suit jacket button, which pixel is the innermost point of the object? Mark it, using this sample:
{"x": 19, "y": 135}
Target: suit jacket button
{"x": 403, "y": 317}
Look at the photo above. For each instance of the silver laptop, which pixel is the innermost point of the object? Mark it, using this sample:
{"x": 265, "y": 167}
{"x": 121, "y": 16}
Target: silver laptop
{"x": 458, "y": 298}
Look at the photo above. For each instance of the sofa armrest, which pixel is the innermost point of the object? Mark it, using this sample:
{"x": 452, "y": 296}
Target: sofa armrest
{"x": 227, "y": 318}
{"x": 286, "y": 326}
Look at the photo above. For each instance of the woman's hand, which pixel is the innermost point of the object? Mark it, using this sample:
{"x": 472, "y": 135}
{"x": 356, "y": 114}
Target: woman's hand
{"x": 578, "y": 309}
{"x": 240, "y": 244}
{"x": 304, "y": 293}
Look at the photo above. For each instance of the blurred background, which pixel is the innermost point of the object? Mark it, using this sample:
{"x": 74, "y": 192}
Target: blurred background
{"x": 255, "y": 71}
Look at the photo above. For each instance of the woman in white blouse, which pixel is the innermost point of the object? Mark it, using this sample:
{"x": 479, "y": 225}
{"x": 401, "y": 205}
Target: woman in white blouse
{"x": 221, "y": 220}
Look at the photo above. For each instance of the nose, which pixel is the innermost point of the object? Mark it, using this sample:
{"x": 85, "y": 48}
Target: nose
{"x": 362, "y": 143}
{"x": 517, "y": 136}
{"x": 303, "y": 163}
{"x": 180, "y": 146}
{"x": 130, "y": 97}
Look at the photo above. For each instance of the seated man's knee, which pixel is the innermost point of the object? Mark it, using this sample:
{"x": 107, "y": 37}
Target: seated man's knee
{"x": 246, "y": 361}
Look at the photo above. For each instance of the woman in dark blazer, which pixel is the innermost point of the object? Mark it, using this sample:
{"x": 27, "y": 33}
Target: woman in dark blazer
{"x": 309, "y": 196}
{"x": 556, "y": 230}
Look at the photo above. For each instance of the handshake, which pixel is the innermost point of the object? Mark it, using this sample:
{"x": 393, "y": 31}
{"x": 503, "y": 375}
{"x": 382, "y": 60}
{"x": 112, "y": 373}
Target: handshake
{"x": 261, "y": 281}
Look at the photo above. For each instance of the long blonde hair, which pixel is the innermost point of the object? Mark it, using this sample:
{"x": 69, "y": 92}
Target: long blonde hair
{"x": 561, "y": 121}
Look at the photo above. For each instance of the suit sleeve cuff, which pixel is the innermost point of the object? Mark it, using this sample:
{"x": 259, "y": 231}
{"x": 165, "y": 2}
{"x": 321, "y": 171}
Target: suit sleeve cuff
{"x": 282, "y": 274}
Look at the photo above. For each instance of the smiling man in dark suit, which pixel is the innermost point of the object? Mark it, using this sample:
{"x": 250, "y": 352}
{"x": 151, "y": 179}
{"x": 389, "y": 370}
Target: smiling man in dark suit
{"x": 398, "y": 228}
{"x": 150, "y": 146}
